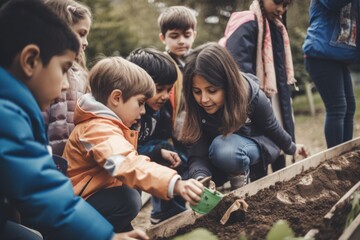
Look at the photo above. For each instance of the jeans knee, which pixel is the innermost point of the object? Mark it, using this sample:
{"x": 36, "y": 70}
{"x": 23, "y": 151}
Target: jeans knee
{"x": 134, "y": 204}
{"x": 219, "y": 151}
{"x": 137, "y": 204}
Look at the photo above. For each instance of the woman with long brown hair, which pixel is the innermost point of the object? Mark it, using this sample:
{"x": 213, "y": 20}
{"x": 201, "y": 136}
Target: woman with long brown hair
{"x": 229, "y": 120}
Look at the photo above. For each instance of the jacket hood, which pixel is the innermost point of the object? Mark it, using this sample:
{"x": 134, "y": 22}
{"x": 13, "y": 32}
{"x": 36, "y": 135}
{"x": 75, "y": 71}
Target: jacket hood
{"x": 254, "y": 85}
{"x": 88, "y": 108}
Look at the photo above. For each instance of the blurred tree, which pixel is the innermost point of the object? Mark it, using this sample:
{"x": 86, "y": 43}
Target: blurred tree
{"x": 118, "y": 27}
{"x": 297, "y": 25}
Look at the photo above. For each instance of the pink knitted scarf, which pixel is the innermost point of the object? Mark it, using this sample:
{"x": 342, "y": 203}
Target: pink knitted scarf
{"x": 265, "y": 69}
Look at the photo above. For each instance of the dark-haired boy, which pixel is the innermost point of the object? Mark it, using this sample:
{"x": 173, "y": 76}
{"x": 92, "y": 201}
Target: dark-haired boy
{"x": 156, "y": 135}
{"x": 177, "y": 26}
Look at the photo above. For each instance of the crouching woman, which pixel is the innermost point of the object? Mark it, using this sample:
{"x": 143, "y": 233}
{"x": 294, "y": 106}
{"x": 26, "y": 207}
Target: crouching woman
{"x": 229, "y": 121}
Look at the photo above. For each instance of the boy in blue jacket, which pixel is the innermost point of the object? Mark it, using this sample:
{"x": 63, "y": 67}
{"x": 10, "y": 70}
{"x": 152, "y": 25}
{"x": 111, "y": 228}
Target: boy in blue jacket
{"x": 36, "y": 51}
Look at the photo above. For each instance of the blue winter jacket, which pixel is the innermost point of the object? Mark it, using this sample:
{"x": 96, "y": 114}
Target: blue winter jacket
{"x": 28, "y": 177}
{"x": 331, "y": 32}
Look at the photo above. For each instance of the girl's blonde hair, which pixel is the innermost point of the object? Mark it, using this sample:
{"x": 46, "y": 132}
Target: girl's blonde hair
{"x": 117, "y": 73}
{"x": 71, "y": 12}
{"x": 215, "y": 64}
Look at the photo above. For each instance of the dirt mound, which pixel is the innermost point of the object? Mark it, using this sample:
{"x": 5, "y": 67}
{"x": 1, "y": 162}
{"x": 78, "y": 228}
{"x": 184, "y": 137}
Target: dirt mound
{"x": 303, "y": 201}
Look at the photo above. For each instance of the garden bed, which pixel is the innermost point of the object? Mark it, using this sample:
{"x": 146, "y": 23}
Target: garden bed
{"x": 302, "y": 194}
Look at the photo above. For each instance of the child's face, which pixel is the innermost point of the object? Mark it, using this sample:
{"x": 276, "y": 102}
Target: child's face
{"x": 130, "y": 111}
{"x": 179, "y": 42}
{"x": 209, "y": 97}
{"x": 275, "y": 8}
{"x": 160, "y": 98}
{"x": 82, "y": 29}
{"x": 47, "y": 82}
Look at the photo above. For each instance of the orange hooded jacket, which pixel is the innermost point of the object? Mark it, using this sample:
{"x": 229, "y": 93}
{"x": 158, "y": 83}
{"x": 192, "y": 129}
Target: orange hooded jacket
{"x": 101, "y": 153}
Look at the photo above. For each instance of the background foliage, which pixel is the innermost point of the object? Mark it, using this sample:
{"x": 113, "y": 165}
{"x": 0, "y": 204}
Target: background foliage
{"x": 123, "y": 25}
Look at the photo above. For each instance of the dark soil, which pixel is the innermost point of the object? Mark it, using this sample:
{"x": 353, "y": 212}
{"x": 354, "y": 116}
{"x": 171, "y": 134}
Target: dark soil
{"x": 303, "y": 202}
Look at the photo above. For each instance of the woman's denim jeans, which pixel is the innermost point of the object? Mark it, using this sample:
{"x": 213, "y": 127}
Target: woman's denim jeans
{"x": 233, "y": 154}
{"x": 333, "y": 81}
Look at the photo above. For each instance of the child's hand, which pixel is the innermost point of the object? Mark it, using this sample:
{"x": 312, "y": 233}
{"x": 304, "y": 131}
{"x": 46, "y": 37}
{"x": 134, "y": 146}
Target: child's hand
{"x": 134, "y": 234}
{"x": 301, "y": 150}
{"x": 172, "y": 157}
{"x": 190, "y": 190}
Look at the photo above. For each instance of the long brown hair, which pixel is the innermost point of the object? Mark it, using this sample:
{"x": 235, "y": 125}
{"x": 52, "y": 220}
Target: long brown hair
{"x": 214, "y": 63}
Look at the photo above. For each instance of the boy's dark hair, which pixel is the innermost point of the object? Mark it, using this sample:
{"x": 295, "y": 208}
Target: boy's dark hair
{"x": 24, "y": 22}
{"x": 159, "y": 66}
{"x": 177, "y": 17}
{"x": 118, "y": 73}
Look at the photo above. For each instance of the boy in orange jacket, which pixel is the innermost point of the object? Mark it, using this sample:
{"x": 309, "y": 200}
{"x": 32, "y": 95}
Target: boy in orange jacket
{"x": 104, "y": 166}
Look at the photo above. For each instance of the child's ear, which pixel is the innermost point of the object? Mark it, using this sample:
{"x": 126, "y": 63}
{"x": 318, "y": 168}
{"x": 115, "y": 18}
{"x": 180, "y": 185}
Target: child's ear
{"x": 29, "y": 59}
{"x": 162, "y": 38}
{"x": 115, "y": 98}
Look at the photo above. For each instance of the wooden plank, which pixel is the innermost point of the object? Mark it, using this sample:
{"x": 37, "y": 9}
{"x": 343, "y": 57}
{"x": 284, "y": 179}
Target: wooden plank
{"x": 352, "y": 232}
{"x": 170, "y": 226}
{"x": 292, "y": 170}
{"x": 330, "y": 214}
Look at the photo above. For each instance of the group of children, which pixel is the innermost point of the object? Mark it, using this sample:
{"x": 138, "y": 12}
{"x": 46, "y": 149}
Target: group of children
{"x": 156, "y": 121}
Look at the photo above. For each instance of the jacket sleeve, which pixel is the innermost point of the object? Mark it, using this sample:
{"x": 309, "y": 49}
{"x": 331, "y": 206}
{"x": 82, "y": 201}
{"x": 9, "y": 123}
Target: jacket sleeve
{"x": 119, "y": 158}
{"x": 264, "y": 120}
{"x": 42, "y": 194}
{"x": 242, "y": 46}
{"x": 335, "y": 5}
{"x": 199, "y": 163}
{"x": 154, "y": 154}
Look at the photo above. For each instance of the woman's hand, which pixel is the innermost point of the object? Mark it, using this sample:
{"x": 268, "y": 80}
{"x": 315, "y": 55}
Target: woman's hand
{"x": 172, "y": 157}
{"x": 190, "y": 190}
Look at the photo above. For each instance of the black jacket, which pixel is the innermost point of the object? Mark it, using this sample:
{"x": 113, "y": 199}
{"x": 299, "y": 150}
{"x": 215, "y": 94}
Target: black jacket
{"x": 242, "y": 46}
{"x": 261, "y": 126}
{"x": 155, "y": 126}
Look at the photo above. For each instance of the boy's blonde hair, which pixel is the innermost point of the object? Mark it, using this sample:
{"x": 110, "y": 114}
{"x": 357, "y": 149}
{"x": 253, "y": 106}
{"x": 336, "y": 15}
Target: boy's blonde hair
{"x": 117, "y": 73}
{"x": 177, "y": 17}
